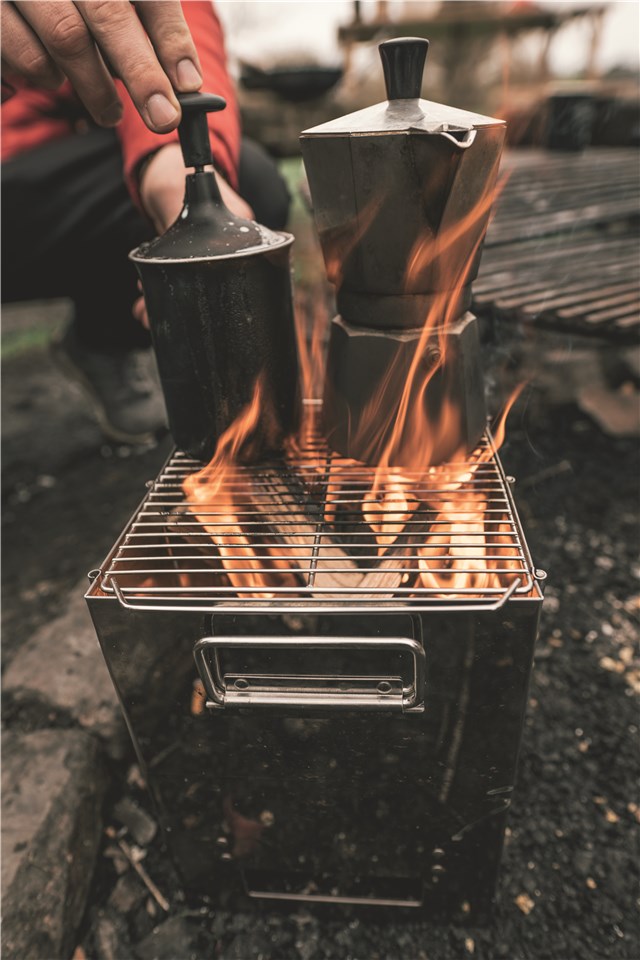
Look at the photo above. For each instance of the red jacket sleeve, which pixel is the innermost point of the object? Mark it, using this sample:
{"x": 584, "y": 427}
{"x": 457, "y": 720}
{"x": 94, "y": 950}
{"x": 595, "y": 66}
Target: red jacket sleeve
{"x": 138, "y": 141}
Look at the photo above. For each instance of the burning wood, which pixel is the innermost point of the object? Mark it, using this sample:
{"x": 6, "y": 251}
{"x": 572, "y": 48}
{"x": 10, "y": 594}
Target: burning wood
{"x": 353, "y": 530}
{"x": 279, "y": 526}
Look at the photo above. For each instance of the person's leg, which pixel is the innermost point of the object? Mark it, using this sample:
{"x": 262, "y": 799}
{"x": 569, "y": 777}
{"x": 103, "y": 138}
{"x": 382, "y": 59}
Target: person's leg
{"x": 262, "y": 186}
{"x": 68, "y": 224}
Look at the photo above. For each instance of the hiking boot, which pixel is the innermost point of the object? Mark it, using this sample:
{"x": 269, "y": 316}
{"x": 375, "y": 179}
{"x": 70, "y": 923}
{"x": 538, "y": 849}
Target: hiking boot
{"x": 122, "y": 389}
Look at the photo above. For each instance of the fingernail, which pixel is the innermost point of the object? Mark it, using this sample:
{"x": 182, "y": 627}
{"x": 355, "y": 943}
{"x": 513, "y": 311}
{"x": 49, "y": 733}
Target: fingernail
{"x": 188, "y": 75}
{"x": 112, "y": 115}
{"x": 160, "y": 110}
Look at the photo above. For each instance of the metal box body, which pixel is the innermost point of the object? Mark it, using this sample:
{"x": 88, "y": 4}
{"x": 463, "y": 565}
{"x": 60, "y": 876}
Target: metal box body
{"x": 336, "y": 805}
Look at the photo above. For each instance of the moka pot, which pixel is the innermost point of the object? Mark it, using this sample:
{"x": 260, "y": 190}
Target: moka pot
{"x": 401, "y": 195}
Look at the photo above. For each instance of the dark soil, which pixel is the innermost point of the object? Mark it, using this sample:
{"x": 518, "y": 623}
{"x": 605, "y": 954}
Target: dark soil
{"x": 569, "y": 882}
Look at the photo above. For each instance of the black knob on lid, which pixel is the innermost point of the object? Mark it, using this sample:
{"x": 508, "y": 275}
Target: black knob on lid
{"x": 403, "y": 64}
{"x": 193, "y": 129}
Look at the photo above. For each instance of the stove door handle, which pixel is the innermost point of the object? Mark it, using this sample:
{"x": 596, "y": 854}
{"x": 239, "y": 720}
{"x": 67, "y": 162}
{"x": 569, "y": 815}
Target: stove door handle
{"x": 305, "y": 692}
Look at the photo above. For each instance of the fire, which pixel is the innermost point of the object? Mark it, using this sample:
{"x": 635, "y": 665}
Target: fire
{"x": 415, "y": 435}
{"x": 470, "y": 549}
{"x": 467, "y": 545}
{"x": 217, "y": 495}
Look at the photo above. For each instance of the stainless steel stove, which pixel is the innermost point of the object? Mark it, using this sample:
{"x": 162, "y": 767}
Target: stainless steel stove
{"x": 364, "y": 669}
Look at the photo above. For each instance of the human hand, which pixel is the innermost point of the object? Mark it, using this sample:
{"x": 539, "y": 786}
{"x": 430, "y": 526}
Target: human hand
{"x": 146, "y": 44}
{"x": 162, "y": 188}
{"x": 162, "y": 195}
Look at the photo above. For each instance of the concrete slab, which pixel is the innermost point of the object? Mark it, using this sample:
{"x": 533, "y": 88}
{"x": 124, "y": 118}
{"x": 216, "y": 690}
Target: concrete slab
{"x": 59, "y": 675}
{"x": 53, "y": 785}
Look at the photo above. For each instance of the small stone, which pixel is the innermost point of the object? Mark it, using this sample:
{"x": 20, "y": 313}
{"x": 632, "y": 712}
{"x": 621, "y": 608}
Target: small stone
{"x": 524, "y": 903}
{"x": 177, "y": 937}
{"x": 470, "y": 945}
{"x": 73, "y": 683}
{"x": 611, "y": 817}
{"x": 127, "y": 893}
{"x": 252, "y": 944}
{"x": 135, "y": 778}
{"x": 614, "y": 666}
{"x": 118, "y": 859}
{"x": 591, "y": 883}
{"x": 110, "y": 936}
{"x": 52, "y": 790}
{"x": 140, "y": 825}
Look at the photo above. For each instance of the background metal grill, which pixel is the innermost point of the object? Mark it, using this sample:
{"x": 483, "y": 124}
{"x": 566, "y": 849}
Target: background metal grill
{"x": 563, "y": 249}
{"x": 166, "y": 557}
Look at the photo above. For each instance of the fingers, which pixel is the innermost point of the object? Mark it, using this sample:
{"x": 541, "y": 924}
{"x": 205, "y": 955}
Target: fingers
{"x": 22, "y": 52}
{"x": 139, "y": 311}
{"x": 122, "y": 38}
{"x": 64, "y": 34}
{"x": 169, "y": 34}
{"x": 42, "y": 40}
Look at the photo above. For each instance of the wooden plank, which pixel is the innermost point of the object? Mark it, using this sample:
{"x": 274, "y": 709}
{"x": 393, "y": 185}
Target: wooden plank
{"x": 611, "y": 315}
{"x": 599, "y": 305}
{"x": 578, "y": 296}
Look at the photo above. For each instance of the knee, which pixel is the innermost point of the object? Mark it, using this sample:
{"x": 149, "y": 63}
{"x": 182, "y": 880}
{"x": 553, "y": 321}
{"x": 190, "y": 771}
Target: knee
{"x": 262, "y": 185}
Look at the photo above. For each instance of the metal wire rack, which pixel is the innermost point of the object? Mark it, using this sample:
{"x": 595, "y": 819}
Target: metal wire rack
{"x": 297, "y": 533}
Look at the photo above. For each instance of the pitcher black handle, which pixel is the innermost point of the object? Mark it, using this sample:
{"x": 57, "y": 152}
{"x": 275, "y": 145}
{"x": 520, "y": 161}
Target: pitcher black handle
{"x": 403, "y": 62}
{"x": 193, "y": 129}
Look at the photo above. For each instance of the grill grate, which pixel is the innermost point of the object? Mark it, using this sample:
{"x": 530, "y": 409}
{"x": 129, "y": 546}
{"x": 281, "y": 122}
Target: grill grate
{"x": 562, "y": 250}
{"x": 169, "y": 557}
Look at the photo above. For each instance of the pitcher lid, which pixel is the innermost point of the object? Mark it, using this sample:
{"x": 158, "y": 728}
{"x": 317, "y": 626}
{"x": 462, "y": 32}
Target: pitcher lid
{"x": 205, "y": 228}
{"x": 404, "y": 112}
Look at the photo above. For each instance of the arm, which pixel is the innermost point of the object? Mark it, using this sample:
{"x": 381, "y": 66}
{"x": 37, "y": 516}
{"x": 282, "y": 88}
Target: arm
{"x": 153, "y": 164}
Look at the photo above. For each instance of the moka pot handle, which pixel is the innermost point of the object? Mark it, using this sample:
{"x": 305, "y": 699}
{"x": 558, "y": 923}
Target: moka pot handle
{"x": 403, "y": 62}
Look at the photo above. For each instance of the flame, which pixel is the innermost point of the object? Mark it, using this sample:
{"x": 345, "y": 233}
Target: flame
{"x": 467, "y": 544}
{"x": 471, "y": 551}
{"x": 219, "y": 490}
{"x": 415, "y": 436}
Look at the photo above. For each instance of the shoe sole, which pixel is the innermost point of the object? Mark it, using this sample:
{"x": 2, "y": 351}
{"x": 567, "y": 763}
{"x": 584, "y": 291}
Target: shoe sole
{"x": 73, "y": 373}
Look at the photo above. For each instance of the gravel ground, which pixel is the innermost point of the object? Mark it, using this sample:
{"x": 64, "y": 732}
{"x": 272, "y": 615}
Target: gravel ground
{"x": 569, "y": 882}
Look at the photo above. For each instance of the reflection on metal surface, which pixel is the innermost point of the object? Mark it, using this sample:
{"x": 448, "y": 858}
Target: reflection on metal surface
{"x": 306, "y": 691}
